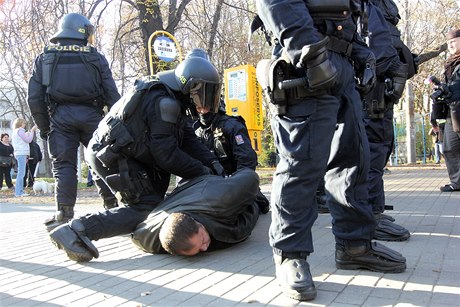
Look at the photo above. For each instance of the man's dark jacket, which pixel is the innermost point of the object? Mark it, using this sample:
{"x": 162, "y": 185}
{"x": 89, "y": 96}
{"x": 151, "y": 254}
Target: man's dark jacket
{"x": 225, "y": 206}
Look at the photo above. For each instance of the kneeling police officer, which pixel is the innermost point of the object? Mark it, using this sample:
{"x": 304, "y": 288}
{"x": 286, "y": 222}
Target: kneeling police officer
{"x": 138, "y": 145}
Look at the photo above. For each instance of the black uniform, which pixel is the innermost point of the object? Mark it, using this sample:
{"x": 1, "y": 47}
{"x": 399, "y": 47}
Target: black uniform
{"x": 68, "y": 110}
{"x": 378, "y": 116}
{"x": 140, "y": 174}
{"x": 318, "y": 132}
{"x": 228, "y": 138}
{"x": 229, "y": 220}
{"x": 390, "y": 51}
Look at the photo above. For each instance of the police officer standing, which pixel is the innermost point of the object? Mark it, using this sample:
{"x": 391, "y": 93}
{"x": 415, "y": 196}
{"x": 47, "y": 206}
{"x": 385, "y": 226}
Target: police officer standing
{"x": 138, "y": 145}
{"x": 392, "y": 69}
{"x": 318, "y": 132}
{"x": 70, "y": 84}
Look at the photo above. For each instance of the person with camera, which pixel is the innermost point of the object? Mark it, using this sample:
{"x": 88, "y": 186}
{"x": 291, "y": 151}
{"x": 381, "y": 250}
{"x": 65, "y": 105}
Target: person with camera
{"x": 446, "y": 104}
{"x": 138, "y": 145}
{"x": 318, "y": 132}
{"x": 70, "y": 86}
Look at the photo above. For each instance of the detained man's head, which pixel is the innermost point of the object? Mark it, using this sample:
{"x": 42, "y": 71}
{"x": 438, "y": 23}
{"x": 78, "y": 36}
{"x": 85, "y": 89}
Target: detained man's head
{"x": 180, "y": 234}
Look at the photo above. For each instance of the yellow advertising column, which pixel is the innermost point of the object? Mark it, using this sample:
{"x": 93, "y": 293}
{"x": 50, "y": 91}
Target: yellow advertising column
{"x": 243, "y": 96}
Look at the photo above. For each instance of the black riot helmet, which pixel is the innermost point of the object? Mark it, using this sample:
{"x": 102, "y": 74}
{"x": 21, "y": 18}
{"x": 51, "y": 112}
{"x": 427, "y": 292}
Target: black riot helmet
{"x": 198, "y": 78}
{"x": 198, "y": 53}
{"x": 73, "y": 26}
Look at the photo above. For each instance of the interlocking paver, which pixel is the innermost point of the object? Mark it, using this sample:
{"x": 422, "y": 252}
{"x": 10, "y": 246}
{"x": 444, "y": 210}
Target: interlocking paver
{"x": 34, "y": 273}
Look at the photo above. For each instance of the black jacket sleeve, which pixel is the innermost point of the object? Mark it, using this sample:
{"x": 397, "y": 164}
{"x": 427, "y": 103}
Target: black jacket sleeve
{"x": 108, "y": 84}
{"x": 238, "y": 137}
{"x": 164, "y": 138}
{"x": 36, "y": 97}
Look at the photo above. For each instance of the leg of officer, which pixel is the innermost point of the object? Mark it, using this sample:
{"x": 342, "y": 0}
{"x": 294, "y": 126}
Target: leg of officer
{"x": 380, "y": 133}
{"x": 76, "y": 236}
{"x": 303, "y": 137}
{"x": 63, "y": 143}
{"x": 347, "y": 169}
{"x": 346, "y": 180}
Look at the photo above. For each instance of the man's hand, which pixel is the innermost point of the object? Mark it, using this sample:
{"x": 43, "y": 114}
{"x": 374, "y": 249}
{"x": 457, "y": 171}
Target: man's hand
{"x": 218, "y": 168}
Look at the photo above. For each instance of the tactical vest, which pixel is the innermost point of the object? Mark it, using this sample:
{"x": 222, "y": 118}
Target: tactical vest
{"x": 123, "y": 130}
{"x": 123, "y": 135}
{"x": 72, "y": 74}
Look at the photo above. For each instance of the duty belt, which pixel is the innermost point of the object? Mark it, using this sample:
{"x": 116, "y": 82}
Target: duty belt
{"x": 339, "y": 46}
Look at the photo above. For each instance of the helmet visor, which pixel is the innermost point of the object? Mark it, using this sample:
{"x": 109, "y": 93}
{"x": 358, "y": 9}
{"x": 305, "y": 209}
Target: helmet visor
{"x": 206, "y": 95}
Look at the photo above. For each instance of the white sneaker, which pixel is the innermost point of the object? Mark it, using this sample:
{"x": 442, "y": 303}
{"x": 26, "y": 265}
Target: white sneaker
{"x": 24, "y": 194}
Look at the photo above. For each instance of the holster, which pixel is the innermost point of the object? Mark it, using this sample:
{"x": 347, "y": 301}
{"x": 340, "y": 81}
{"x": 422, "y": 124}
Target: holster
{"x": 320, "y": 71}
{"x": 117, "y": 137}
{"x": 374, "y": 102}
{"x": 129, "y": 188}
{"x": 270, "y": 72}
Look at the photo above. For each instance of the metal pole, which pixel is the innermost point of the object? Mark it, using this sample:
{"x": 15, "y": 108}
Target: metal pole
{"x": 395, "y": 132}
{"x": 424, "y": 139}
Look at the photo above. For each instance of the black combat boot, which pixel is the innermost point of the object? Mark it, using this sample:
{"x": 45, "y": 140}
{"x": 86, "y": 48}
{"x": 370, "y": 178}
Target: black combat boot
{"x": 371, "y": 256}
{"x": 379, "y": 216}
{"x": 63, "y": 215}
{"x": 387, "y": 230}
{"x": 72, "y": 239}
{"x": 294, "y": 277}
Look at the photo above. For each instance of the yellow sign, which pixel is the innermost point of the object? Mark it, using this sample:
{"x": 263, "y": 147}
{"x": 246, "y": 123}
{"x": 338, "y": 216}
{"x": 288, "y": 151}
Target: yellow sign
{"x": 243, "y": 96}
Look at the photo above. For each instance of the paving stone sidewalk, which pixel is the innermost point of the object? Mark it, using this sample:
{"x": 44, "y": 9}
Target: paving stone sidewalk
{"x": 34, "y": 273}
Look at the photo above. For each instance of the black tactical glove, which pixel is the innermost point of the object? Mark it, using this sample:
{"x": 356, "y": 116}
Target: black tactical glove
{"x": 218, "y": 168}
{"x": 395, "y": 83}
{"x": 321, "y": 72}
{"x": 366, "y": 77}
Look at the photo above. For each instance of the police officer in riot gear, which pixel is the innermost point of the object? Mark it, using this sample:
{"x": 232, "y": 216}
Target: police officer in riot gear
{"x": 228, "y": 138}
{"x": 70, "y": 85}
{"x": 138, "y": 145}
{"x": 392, "y": 73}
{"x": 318, "y": 132}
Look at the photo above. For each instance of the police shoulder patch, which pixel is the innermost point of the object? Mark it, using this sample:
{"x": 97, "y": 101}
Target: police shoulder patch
{"x": 239, "y": 139}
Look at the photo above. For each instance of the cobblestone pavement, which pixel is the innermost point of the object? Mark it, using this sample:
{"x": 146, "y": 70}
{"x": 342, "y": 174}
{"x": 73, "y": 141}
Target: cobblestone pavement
{"x": 34, "y": 273}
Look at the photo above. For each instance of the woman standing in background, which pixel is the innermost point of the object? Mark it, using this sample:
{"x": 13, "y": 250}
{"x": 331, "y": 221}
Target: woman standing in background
{"x": 21, "y": 140}
{"x": 6, "y": 150}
